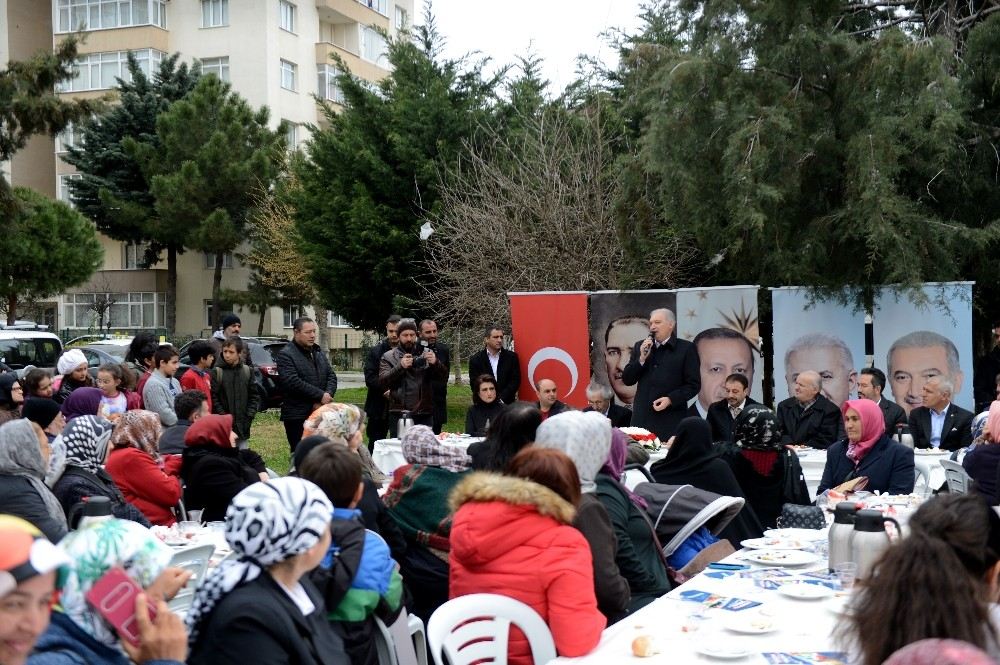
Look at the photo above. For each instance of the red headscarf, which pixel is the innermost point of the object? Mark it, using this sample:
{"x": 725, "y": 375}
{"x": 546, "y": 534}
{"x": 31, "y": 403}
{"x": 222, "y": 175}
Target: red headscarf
{"x": 872, "y": 427}
{"x": 210, "y": 430}
{"x": 993, "y": 420}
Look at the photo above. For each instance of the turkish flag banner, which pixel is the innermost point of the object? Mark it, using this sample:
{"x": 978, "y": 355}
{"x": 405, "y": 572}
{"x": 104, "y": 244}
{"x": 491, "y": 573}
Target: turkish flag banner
{"x": 552, "y": 341}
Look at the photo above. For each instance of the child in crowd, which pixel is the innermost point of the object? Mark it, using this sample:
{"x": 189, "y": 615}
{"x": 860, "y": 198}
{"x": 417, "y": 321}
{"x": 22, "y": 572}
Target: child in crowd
{"x": 37, "y": 382}
{"x": 73, "y": 374}
{"x": 113, "y": 380}
{"x": 358, "y": 578}
{"x": 161, "y": 387}
{"x": 145, "y": 366}
{"x": 234, "y": 390}
{"x": 201, "y": 357}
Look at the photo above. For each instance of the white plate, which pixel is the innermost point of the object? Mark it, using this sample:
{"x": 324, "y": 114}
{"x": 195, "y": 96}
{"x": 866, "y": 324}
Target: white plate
{"x": 930, "y": 451}
{"x": 808, "y": 535}
{"x": 722, "y": 650}
{"x": 774, "y": 544}
{"x": 751, "y": 624}
{"x": 804, "y": 591}
{"x": 780, "y": 557}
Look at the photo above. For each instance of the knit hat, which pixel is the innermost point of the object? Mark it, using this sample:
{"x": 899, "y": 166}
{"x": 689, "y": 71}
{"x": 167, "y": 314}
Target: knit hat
{"x": 230, "y": 319}
{"x": 41, "y": 410}
{"x": 26, "y": 553}
{"x": 70, "y": 361}
{"x": 406, "y": 324}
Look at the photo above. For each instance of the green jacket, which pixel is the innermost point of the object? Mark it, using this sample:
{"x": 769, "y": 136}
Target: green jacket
{"x": 234, "y": 391}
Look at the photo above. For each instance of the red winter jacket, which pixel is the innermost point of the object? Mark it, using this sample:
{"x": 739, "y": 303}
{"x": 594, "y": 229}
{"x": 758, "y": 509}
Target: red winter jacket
{"x": 513, "y": 537}
{"x": 144, "y": 484}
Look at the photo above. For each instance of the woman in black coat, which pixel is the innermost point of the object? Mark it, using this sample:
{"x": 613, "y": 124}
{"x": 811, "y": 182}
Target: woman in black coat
{"x": 24, "y": 453}
{"x": 693, "y": 460}
{"x": 486, "y": 406}
{"x": 212, "y": 468}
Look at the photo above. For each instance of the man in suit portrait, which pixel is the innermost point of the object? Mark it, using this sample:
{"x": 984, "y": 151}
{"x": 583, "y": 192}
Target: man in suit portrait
{"x": 871, "y": 384}
{"x": 722, "y": 414}
{"x": 808, "y": 418}
{"x": 721, "y": 352}
{"x": 599, "y": 397}
{"x": 620, "y": 336}
{"x": 830, "y": 357}
{"x": 497, "y": 361}
{"x": 939, "y": 423}
{"x": 917, "y": 357}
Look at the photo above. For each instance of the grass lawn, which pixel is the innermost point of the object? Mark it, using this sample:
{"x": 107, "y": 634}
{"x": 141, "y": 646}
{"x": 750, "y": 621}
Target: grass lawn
{"x": 268, "y": 434}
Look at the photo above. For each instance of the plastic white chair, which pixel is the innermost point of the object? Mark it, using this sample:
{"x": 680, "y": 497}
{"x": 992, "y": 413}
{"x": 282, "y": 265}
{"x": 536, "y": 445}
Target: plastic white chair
{"x": 476, "y": 628}
{"x": 385, "y": 645}
{"x": 194, "y": 559}
{"x": 955, "y": 475}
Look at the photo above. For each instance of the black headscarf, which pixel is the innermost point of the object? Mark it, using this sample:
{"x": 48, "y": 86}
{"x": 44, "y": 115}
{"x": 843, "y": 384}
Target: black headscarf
{"x": 690, "y": 452}
{"x": 7, "y": 381}
{"x": 756, "y": 428}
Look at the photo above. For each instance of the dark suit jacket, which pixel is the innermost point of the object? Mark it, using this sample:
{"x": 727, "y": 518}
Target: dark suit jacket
{"x": 956, "y": 432}
{"x": 617, "y": 414}
{"x": 440, "y": 386}
{"x": 376, "y": 405}
{"x": 508, "y": 369}
{"x": 818, "y": 427}
{"x": 893, "y": 415}
{"x": 721, "y": 420}
{"x": 889, "y": 467}
{"x": 672, "y": 370}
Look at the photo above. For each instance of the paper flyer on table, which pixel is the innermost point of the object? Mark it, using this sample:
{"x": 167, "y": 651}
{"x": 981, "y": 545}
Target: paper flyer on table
{"x": 711, "y": 600}
{"x": 806, "y": 657}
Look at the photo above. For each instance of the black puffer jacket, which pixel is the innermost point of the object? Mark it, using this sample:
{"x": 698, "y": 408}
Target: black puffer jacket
{"x": 304, "y": 374}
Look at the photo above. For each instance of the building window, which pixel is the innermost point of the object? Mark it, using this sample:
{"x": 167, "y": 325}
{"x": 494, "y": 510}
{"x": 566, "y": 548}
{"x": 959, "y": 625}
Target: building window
{"x": 374, "y": 47}
{"x": 214, "y": 13}
{"x": 227, "y": 261}
{"x": 289, "y": 71}
{"x": 73, "y": 15}
{"x": 223, "y": 307}
{"x": 99, "y": 71}
{"x": 381, "y": 6}
{"x": 134, "y": 255}
{"x": 65, "y": 195}
{"x": 400, "y": 22}
{"x": 292, "y": 136}
{"x": 68, "y": 138}
{"x": 328, "y": 88}
{"x": 334, "y": 320}
{"x": 217, "y": 66}
{"x": 286, "y": 15}
{"x": 129, "y": 310}
{"x": 289, "y": 314}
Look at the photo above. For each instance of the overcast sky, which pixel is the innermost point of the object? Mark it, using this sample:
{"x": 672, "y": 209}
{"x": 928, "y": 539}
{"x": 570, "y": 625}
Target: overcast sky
{"x": 557, "y": 30}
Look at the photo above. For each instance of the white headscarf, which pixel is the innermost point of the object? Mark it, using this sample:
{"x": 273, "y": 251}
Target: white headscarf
{"x": 584, "y": 436}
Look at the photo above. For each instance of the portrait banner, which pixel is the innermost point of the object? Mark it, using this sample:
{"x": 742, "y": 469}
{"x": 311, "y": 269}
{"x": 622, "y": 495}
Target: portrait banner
{"x": 550, "y": 330}
{"x": 915, "y": 342}
{"x": 823, "y": 336}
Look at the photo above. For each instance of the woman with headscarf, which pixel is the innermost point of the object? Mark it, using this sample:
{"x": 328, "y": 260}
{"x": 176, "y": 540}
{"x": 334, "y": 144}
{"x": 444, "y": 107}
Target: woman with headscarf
{"x": 694, "y": 460}
{"x": 344, "y": 424}
{"x": 138, "y": 470}
{"x": 24, "y": 452}
{"x": 211, "y": 467}
{"x": 82, "y": 402}
{"x": 261, "y": 607}
{"x": 79, "y": 634}
{"x": 417, "y": 500}
{"x": 586, "y": 438}
{"x": 983, "y": 461}
{"x": 46, "y": 413}
{"x": 87, "y": 445}
{"x": 11, "y": 397}
{"x": 73, "y": 373}
{"x": 868, "y": 451}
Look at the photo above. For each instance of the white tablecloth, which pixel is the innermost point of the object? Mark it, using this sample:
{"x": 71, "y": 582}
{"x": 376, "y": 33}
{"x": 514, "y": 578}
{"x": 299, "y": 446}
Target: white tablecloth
{"x": 930, "y": 473}
{"x": 388, "y": 453}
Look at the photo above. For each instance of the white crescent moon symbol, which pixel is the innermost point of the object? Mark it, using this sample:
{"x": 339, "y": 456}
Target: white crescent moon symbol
{"x": 560, "y": 356}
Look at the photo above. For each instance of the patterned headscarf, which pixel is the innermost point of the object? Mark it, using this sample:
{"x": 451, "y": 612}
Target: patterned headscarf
{"x": 584, "y": 436}
{"x": 977, "y": 427}
{"x": 266, "y": 524}
{"x": 756, "y": 428}
{"x": 82, "y": 402}
{"x": 94, "y": 550}
{"x": 138, "y": 429}
{"x": 421, "y": 446}
{"x": 86, "y": 439}
{"x": 614, "y": 466}
{"x": 337, "y": 422}
{"x": 20, "y": 455}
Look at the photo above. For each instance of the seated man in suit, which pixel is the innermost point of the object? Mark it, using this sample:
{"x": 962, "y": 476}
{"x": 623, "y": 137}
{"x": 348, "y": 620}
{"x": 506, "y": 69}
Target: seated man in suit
{"x": 498, "y": 361}
{"x": 548, "y": 399}
{"x": 939, "y": 423}
{"x": 808, "y": 418}
{"x": 871, "y": 383}
{"x": 599, "y": 397}
{"x": 722, "y": 414}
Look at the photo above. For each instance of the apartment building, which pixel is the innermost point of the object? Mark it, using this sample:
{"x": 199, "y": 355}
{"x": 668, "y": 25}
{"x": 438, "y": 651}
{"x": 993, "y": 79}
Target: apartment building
{"x": 273, "y": 52}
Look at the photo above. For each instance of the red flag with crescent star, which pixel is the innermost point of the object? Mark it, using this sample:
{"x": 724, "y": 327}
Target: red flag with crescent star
{"x": 552, "y": 340}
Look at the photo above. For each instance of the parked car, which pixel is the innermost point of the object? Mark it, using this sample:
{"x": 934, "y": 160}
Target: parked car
{"x": 98, "y": 354}
{"x": 261, "y": 358}
{"x": 21, "y": 348}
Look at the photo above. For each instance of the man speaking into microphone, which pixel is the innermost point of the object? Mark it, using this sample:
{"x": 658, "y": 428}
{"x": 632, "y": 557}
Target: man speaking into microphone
{"x": 667, "y": 370}
{"x": 409, "y": 372}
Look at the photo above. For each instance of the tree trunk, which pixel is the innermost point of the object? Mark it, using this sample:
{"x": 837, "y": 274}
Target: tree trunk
{"x": 11, "y": 309}
{"x": 216, "y": 288}
{"x": 171, "y": 308}
{"x": 262, "y": 309}
{"x": 457, "y": 357}
{"x": 321, "y": 327}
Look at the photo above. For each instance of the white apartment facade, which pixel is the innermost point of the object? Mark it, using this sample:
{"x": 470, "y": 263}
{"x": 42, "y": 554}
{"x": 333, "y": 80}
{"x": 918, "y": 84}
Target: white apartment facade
{"x": 275, "y": 53}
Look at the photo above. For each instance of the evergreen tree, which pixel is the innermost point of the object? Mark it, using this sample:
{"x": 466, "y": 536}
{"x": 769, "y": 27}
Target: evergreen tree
{"x": 47, "y": 248}
{"x": 113, "y": 190}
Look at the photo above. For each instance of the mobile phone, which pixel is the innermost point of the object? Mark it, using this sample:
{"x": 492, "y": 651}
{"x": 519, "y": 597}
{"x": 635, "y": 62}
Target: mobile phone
{"x": 727, "y": 566}
{"x": 113, "y": 596}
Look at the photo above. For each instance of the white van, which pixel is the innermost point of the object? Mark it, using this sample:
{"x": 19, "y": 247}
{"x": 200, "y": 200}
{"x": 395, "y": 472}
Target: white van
{"x": 19, "y": 348}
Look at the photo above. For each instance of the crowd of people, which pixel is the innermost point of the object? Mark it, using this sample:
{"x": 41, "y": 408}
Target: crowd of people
{"x": 537, "y": 510}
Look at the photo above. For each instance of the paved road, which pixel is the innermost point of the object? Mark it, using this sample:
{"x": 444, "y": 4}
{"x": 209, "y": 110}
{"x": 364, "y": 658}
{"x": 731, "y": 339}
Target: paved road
{"x": 350, "y": 379}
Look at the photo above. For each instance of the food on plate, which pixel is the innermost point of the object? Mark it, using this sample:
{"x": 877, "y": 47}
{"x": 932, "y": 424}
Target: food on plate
{"x": 644, "y": 646}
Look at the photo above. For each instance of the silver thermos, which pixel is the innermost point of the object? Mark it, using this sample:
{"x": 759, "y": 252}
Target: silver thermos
{"x": 840, "y": 533}
{"x": 869, "y": 539}
{"x": 404, "y": 423}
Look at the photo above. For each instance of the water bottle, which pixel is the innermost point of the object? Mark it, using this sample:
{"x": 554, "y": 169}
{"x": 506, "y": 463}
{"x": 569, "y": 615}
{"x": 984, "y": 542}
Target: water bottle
{"x": 840, "y": 533}
{"x": 95, "y": 509}
{"x": 404, "y": 423}
{"x": 869, "y": 539}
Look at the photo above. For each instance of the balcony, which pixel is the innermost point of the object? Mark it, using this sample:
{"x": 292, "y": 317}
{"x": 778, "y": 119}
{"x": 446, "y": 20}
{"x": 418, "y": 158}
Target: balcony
{"x": 360, "y": 68}
{"x": 350, "y": 11}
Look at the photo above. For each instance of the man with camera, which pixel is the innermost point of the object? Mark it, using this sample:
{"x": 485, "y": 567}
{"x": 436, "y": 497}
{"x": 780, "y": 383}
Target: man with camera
{"x": 409, "y": 372}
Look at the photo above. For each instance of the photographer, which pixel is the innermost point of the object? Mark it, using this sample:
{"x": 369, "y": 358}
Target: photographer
{"x": 408, "y": 372}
